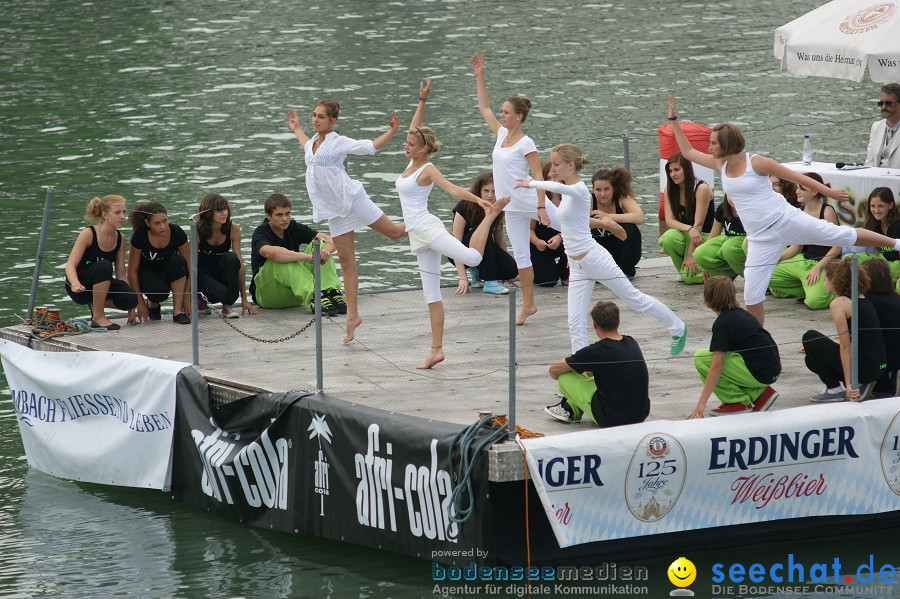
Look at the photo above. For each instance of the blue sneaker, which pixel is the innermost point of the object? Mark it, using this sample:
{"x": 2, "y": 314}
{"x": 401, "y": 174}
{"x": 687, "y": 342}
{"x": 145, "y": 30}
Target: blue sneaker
{"x": 474, "y": 278}
{"x": 495, "y": 287}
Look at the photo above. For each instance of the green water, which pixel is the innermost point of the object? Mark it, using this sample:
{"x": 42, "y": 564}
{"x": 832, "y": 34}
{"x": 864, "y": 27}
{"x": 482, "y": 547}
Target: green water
{"x": 169, "y": 101}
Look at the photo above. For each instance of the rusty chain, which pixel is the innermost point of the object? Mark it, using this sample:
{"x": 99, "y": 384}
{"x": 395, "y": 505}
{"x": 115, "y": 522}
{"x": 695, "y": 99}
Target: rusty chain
{"x": 252, "y": 338}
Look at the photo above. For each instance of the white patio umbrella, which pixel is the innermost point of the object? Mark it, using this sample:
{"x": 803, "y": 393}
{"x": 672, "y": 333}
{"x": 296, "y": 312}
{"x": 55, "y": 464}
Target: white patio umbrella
{"x": 841, "y": 38}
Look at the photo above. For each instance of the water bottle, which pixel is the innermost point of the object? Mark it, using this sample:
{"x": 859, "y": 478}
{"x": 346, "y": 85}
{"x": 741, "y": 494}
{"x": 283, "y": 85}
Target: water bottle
{"x": 807, "y": 150}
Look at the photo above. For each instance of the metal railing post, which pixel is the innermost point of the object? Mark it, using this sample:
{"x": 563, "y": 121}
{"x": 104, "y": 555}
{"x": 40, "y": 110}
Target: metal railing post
{"x": 317, "y": 278}
{"x": 39, "y": 258}
{"x": 195, "y": 317}
{"x": 854, "y": 315}
{"x": 511, "y": 422}
{"x": 626, "y": 152}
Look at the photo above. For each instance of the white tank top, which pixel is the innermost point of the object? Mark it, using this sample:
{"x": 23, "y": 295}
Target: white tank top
{"x": 414, "y": 199}
{"x": 757, "y": 204}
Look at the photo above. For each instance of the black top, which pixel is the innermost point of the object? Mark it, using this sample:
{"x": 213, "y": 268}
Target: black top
{"x": 738, "y": 331}
{"x": 295, "y": 236}
{"x": 623, "y": 383}
{"x": 461, "y": 209}
{"x": 817, "y": 252}
{"x": 730, "y": 228}
{"x": 93, "y": 253}
{"x": 889, "y": 253}
{"x": 154, "y": 257}
{"x": 682, "y": 217}
{"x": 887, "y": 307}
{"x": 599, "y": 234}
{"x": 871, "y": 341}
{"x": 208, "y": 255}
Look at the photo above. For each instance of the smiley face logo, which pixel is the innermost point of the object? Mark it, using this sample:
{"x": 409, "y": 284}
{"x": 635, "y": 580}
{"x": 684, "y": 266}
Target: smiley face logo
{"x": 682, "y": 572}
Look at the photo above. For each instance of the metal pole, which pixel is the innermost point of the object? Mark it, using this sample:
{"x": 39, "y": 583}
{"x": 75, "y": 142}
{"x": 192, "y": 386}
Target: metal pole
{"x": 627, "y": 153}
{"x": 39, "y": 259}
{"x": 317, "y": 278}
{"x": 854, "y": 315}
{"x": 195, "y": 317}
{"x": 511, "y": 423}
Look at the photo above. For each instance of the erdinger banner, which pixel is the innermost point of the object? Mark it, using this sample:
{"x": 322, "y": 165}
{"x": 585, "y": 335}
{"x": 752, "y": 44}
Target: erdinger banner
{"x": 321, "y": 466}
{"x": 99, "y": 417}
{"x": 663, "y": 476}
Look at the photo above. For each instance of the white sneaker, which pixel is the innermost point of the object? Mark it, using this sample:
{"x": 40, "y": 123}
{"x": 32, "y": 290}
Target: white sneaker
{"x": 559, "y": 412}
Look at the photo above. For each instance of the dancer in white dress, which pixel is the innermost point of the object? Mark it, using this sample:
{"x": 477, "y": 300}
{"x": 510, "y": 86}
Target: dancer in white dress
{"x": 429, "y": 238}
{"x": 589, "y": 262}
{"x": 514, "y": 155}
{"x": 336, "y": 197}
{"x": 771, "y": 223}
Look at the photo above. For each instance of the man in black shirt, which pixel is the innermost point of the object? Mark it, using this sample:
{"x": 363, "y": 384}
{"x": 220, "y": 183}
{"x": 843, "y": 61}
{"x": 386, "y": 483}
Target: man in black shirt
{"x": 607, "y": 380}
{"x": 742, "y": 361}
{"x": 282, "y": 273}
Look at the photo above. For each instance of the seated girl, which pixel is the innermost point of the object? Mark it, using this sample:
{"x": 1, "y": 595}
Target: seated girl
{"x": 158, "y": 264}
{"x": 612, "y": 197}
{"x": 689, "y": 211}
{"x": 725, "y": 252}
{"x": 831, "y": 360}
{"x": 883, "y": 216}
{"x": 95, "y": 275}
{"x": 548, "y": 254}
{"x": 886, "y": 300}
{"x": 786, "y": 188}
{"x": 496, "y": 264}
{"x": 220, "y": 269}
{"x": 799, "y": 270}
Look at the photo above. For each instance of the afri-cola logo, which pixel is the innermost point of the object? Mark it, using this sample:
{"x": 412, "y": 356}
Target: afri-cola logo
{"x": 760, "y": 461}
{"x": 260, "y": 467}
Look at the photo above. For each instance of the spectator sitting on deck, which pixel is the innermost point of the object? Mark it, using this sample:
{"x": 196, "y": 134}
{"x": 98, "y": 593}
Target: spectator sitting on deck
{"x": 282, "y": 272}
{"x": 607, "y": 380}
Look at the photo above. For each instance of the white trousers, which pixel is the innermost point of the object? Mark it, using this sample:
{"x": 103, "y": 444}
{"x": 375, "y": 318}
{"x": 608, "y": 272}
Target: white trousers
{"x": 429, "y": 258}
{"x": 764, "y": 249}
{"x": 518, "y": 229}
{"x": 598, "y": 266}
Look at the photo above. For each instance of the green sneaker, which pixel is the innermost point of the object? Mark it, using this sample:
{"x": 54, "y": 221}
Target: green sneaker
{"x": 678, "y": 342}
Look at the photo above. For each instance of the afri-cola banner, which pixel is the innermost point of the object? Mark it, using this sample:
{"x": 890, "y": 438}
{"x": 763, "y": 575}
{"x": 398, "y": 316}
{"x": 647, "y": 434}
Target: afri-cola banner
{"x": 321, "y": 466}
{"x": 100, "y": 417}
{"x": 666, "y": 476}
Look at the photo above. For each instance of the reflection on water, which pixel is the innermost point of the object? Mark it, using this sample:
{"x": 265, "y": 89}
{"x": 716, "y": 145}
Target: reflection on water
{"x": 168, "y": 101}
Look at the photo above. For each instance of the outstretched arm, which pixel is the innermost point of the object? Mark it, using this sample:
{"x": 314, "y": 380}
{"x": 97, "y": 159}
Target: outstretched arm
{"x": 394, "y": 124}
{"x": 294, "y": 123}
{"x": 419, "y": 116}
{"x": 432, "y": 175}
{"x": 684, "y": 146}
{"x": 767, "y": 166}
{"x": 484, "y": 106}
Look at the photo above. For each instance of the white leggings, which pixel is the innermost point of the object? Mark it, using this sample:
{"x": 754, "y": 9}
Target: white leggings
{"x": 599, "y": 266}
{"x": 518, "y": 229}
{"x": 429, "y": 258}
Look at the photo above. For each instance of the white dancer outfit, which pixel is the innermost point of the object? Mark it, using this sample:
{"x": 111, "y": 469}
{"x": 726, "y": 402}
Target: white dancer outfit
{"x": 772, "y": 224}
{"x": 572, "y": 219}
{"x": 336, "y": 197}
{"x": 428, "y": 236}
{"x": 510, "y": 165}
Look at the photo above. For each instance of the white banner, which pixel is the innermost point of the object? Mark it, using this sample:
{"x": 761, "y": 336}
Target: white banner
{"x": 666, "y": 476}
{"x": 100, "y": 417}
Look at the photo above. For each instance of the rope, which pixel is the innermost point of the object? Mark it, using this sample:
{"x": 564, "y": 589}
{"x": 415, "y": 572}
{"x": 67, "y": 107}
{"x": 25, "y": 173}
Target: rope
{"x": 462, "y": 499}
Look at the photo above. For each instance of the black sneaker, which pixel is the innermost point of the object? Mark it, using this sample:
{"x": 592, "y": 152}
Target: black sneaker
{"x": 328, "y": 308}
{"x": 337, "y": 300}
{"x": 181, "y": 318}
{"x": 154, "y": 313}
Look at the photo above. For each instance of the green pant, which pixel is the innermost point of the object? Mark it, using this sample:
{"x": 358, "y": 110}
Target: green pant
{"x": 722, "y": 255}
{"x": 789, "y": 280}
{"x": 735, "y": 384}
{"x": 578, "y": 389}
{"x": 291, "y": 284}
{"x": 675, "y": 244}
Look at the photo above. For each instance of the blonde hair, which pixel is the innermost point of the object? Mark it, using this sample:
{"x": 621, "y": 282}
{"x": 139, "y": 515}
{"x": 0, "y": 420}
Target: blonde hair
{"x": 571, "y": 153}
{"x": 97, "y": 206}
{"x": 427, "y": 137}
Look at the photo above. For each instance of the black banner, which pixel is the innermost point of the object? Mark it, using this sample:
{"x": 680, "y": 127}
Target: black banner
{"x": 325, "y": 467}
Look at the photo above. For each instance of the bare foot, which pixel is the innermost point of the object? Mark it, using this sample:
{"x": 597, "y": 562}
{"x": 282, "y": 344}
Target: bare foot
{"x": 436, "y": 356}
{"x": 525, "y": 313}
{"x": 351, "y": 328}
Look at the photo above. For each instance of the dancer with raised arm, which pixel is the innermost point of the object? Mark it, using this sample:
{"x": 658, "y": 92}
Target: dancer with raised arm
{"x": 429, "y": 238}
{"x": 589, "y": 262}
{"x": 514, "y": 155}
{"x": 336, "y": 197}
{"x": 770, "y": 222}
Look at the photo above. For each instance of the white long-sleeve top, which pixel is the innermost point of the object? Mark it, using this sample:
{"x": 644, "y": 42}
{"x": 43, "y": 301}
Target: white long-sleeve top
{"x": 573, "y": 214}
{"x": 330, "y": 188}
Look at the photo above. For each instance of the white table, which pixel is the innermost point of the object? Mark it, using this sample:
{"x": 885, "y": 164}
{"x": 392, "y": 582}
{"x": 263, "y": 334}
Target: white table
{"x": 858, "y": 183}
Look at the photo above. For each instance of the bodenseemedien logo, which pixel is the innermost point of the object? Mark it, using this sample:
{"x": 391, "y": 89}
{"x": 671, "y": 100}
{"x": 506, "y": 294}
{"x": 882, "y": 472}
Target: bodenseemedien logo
{"x": 682, "y": 574}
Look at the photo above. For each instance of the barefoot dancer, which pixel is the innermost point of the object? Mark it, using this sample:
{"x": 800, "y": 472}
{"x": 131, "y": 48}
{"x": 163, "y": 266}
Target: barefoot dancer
{"x": 771, "y": 223}
{"x": 336, "y": 197}
{"x": 428, "y": 237}
{"x": 514, "y": 154}
{"x": 588, "y": 261}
